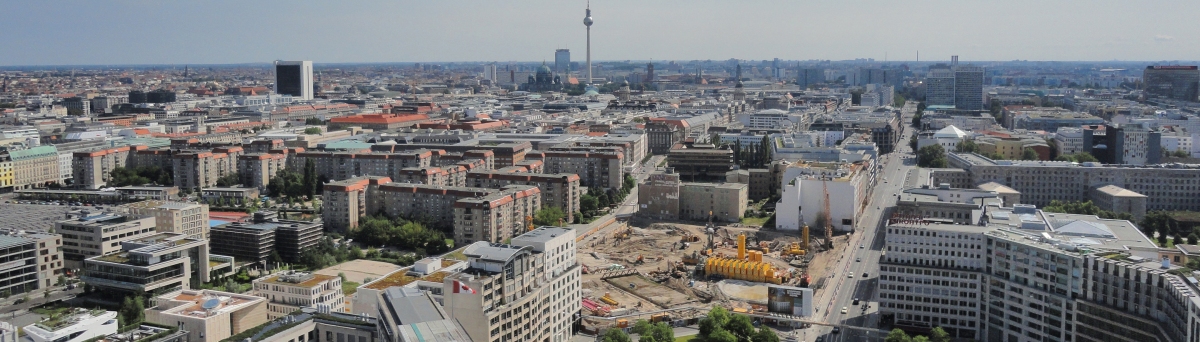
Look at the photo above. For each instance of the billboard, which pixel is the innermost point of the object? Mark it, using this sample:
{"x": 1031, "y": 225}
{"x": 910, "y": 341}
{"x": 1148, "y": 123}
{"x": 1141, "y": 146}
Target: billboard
{"x": 789, "y": 300}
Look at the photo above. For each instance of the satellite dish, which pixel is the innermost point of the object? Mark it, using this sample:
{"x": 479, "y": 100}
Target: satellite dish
{"x": 210, "y": 304}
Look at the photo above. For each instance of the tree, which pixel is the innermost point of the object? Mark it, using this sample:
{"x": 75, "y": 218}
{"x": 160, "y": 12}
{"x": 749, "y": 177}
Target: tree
{"x": 615, "y": 335}
{"x": 912, "y": 142}
{"x": 764, "y": 334}
{"x": 721, "y": 335}
{"x": 897, "y": 335}
{"x": 312, "y": 130}
{"x": 931, "y": 156}
{"x": 740, "y": 326}
{"x": 660, "y": 331}
{"x": 967, "y": 146}
{"x": 1029, "y": 154}
{"x": 1178, "y": 240}
{"x": 939, "y": 335}
{"x": 641, "y": 327}
{"x": 549, "y": 216}
{"x": 1191, "y": 239}
{"x": 229, "y": 180}
{"x": 310, "y": 178}
{"x": 920, "y": 338}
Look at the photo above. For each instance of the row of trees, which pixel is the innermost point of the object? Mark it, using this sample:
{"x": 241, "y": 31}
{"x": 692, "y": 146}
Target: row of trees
{"x": 140, "y": 175}
{"x": 1085, "y": 208}
{"x": 379, "y": 230}
{"x": 293, "y": 184}
{"x": 936, "y": 335}
{"x": 719, "y": 326}
{"x": 596, "y": 197}
{"x": 753, "y": 156}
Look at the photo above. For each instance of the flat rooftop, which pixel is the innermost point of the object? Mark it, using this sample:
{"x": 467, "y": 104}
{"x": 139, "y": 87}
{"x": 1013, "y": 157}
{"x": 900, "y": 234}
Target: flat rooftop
{"x": 307, "y": 280}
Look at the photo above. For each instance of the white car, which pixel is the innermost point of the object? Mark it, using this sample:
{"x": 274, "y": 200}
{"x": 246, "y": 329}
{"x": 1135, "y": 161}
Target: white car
{"x": 851, "y": 275}
{"x": 843, "y": 310}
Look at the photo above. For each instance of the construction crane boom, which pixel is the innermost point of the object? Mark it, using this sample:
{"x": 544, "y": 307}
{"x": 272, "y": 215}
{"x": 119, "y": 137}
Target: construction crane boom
{"x": 828, "y": 217}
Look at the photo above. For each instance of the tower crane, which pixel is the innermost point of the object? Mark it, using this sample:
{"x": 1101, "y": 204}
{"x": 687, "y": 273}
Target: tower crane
{"x": 828, "y": 217}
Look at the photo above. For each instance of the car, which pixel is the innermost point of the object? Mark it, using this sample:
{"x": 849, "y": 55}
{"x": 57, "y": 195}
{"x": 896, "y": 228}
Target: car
{"x": 820, "y": 339}
{"x": 861, "y": 246}
{"x": 851, "y": 275}
{"x": 843, "y": 311}
{"x": 857, "y": 259}
{"x": 837, "y": 330}
{"x": 855, "y": 301}
{"x": 864, "y": 274}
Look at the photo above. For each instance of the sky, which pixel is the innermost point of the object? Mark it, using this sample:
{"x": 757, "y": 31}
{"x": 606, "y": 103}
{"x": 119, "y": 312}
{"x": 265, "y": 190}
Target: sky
{"x": 84, "y": 32}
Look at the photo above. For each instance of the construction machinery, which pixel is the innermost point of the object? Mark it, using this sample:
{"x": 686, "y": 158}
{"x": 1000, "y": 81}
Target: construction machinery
{"x": 691, "y": 259}
{"x": 797, "y": 248}
{"x": 607, "y": 299}
{"x": 688, "y": 237}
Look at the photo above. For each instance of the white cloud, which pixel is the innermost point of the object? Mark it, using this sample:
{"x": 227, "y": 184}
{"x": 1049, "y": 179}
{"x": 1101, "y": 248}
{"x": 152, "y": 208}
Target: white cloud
{"x": 1163, "y": 38}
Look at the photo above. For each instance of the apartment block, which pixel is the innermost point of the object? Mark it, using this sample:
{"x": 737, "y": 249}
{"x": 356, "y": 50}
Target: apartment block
{"x": 497, "y": 216}
{"x": 288, "y": 291}
{"x": 561, "y": 190}
{"x": 346, "y": 201}
{"x": 189, "y": 219}
{"x": 87, "y": 234}
{"x": 700, "y": 162}
{"x": 92, "y": 170}
{"x": 155, "y": 264}
{"x": 600, "y": 169}
{"x": 257, "y": 169}
{"x": 346, "y": 165}
{"x": 727, "y": 202}
{"x": 507, "y": 302}
{"x": 33, "y": 261}
{"x": 207, "y": 315}
{"x": 195, "y": 170}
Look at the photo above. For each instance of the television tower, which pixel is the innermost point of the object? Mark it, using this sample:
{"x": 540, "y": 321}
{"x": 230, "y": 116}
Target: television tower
{"x": 587, "y": 21}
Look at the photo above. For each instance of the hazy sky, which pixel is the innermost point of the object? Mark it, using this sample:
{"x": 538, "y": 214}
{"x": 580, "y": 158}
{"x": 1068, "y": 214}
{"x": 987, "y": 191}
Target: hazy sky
{"x": 203, "y": 32}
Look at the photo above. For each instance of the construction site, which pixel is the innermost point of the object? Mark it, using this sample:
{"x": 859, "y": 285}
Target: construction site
{"x": 676, "y": 272}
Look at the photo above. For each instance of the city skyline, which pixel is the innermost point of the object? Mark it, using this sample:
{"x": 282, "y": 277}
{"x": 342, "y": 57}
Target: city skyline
{"x": 133, "y": 33}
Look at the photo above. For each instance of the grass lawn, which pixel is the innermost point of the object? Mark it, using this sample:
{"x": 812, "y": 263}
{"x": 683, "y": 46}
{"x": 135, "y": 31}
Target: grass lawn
{"x": 350, "y": 287}
{"x": 47, "y": 311}
{"x": 754, "y": 221}
{"x": 685, "y": 338}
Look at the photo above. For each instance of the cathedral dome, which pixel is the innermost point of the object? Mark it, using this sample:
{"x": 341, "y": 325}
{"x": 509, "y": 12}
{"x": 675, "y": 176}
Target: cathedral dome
{"x": 543, "y": 69}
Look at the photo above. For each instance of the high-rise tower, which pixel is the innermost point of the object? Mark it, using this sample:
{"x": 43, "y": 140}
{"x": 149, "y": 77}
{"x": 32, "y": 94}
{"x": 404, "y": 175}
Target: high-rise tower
{"x": 587, "y": 21}
{"x": 294, "y": 78}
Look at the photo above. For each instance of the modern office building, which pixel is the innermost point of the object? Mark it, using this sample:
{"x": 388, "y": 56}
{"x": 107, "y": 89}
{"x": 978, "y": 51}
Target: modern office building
{"x": 407, "y": 314}
{"x": 294, "y": 78}
{"x": 156, "y": 264}
{"x": 1019, "y": 275}
{"x": 939, "y": 87}
{"x": 288, "y": 291}
{"x": 185, "y": 218}
{"x": 78, "y": 325}
{"x": 1179, "y": 82}
{"x": 88, "y": 234}
{"x": 562, "y": 61}
{"x": 1039, "y": 182}
{"x": 32, "y": 261}
{"x": 208, "y": 315}
{"x": 526, "y": 291}
{"x": 255, "y": 242}
{"x": 968, "y": 87}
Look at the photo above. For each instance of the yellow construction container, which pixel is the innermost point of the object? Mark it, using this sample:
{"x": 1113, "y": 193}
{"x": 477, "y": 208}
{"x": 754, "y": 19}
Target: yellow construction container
{"x": 622, "y": 323}
{"x": 741, "y": 246}
{"x": 607, "y": 299}
{"x": 756, "y": 271}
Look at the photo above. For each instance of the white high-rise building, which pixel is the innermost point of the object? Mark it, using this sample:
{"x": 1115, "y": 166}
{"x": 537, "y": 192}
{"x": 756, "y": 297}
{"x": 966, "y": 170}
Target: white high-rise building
{"x": 294, "y": 78}
{"x": 489, "y": 72}
{"x": 562, "y": 61}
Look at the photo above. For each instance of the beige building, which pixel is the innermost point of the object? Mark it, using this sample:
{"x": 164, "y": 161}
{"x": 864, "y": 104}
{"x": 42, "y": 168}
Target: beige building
{"x": 194, "y": 170}
{"x": 289, "y": 291}
{"x": 1120, "y": 200}
{"x": 32, "y": 261}
{"x": 207, "y": 315}
{"x": 88, "y": 234}
{"x": 726, "y": 201}
{"x": 496, "y": 217}
{"x": 189, "y": 219}
{"x": 34, "y": 167}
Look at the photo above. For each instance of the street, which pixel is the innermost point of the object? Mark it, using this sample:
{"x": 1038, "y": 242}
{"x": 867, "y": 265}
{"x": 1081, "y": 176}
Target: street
{"x": 861, "y": 259}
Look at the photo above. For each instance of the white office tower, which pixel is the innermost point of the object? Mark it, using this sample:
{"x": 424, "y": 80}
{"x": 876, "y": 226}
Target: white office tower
{"x": 526, "y": 291}
{"x": 562, "y": 61}
{"x": 489, "y": 72}
{"x": 294, "y": 78}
